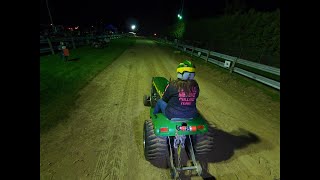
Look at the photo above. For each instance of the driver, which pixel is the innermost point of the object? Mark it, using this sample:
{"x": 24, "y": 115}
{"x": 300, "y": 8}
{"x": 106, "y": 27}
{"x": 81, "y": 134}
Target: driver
{"x": 179, "y": 98}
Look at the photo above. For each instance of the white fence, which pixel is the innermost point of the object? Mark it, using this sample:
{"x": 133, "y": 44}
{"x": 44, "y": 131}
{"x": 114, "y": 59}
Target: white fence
{"x": 73, "y": 40}
{"x": 230, "y": 61}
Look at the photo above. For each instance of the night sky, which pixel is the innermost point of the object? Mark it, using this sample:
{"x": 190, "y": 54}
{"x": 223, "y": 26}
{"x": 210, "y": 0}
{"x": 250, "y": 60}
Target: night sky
{"x": 150, "y": 15}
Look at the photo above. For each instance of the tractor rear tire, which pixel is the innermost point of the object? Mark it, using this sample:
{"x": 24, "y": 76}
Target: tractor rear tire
{"x": 203, "y": 143}
{"x": 155, "y": 147}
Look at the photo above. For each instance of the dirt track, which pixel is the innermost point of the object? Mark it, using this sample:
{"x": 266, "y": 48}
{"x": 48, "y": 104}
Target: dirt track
{"x": 102, "y": 138}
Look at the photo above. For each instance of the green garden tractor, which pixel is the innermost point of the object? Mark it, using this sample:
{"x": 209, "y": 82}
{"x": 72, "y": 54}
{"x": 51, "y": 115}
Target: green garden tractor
{"x": 164, "y": 138}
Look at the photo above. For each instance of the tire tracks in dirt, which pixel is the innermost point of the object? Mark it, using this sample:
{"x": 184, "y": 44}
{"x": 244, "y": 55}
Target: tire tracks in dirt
{"x": 122, "y": 148}
{"x": 114, "y": 151}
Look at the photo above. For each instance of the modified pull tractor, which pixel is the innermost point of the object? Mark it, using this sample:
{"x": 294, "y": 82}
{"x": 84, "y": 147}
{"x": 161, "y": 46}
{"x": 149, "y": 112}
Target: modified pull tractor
{"x": 164, "y": 138}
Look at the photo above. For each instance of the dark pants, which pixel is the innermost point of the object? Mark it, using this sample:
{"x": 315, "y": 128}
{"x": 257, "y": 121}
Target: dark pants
{"x": 160, "y": 106}
{"x": 62, "y": 55}
{"x": 65, "y": 58}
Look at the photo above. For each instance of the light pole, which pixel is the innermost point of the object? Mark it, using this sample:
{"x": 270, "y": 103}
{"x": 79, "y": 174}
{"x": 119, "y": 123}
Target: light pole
{"x": 181, "y": 11}
{"x": 54, "y": 28}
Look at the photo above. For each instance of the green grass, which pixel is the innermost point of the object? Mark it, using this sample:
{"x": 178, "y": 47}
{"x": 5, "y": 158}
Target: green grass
{"x": 60, "y": 81}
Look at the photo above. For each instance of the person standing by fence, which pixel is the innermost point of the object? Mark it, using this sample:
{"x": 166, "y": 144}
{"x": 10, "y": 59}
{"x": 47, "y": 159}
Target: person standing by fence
{"x": 60, "y": 49}
{"x": 64, "y": 51}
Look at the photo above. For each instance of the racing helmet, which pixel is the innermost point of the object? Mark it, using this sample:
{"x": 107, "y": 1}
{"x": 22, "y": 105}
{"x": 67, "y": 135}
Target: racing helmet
{"x": 186, "y": 70}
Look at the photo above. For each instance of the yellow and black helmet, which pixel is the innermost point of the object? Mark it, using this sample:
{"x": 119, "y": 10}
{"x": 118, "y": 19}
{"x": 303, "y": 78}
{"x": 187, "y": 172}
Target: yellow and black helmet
{"x": 186, "y": 70}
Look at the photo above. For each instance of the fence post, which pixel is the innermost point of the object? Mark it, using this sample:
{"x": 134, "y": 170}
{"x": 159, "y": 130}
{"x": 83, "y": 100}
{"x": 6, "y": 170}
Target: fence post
{"x": 208, "y": 54}
{"x": 50, "y": 45}
{"x": 233, "y": 64}
{"x": 74, "y": 46}
{"x": 235, "y": 61}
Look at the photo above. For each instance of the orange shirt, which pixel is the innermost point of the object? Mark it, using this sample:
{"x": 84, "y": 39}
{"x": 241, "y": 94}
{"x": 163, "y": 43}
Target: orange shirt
{"x": 66, "y": 52}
